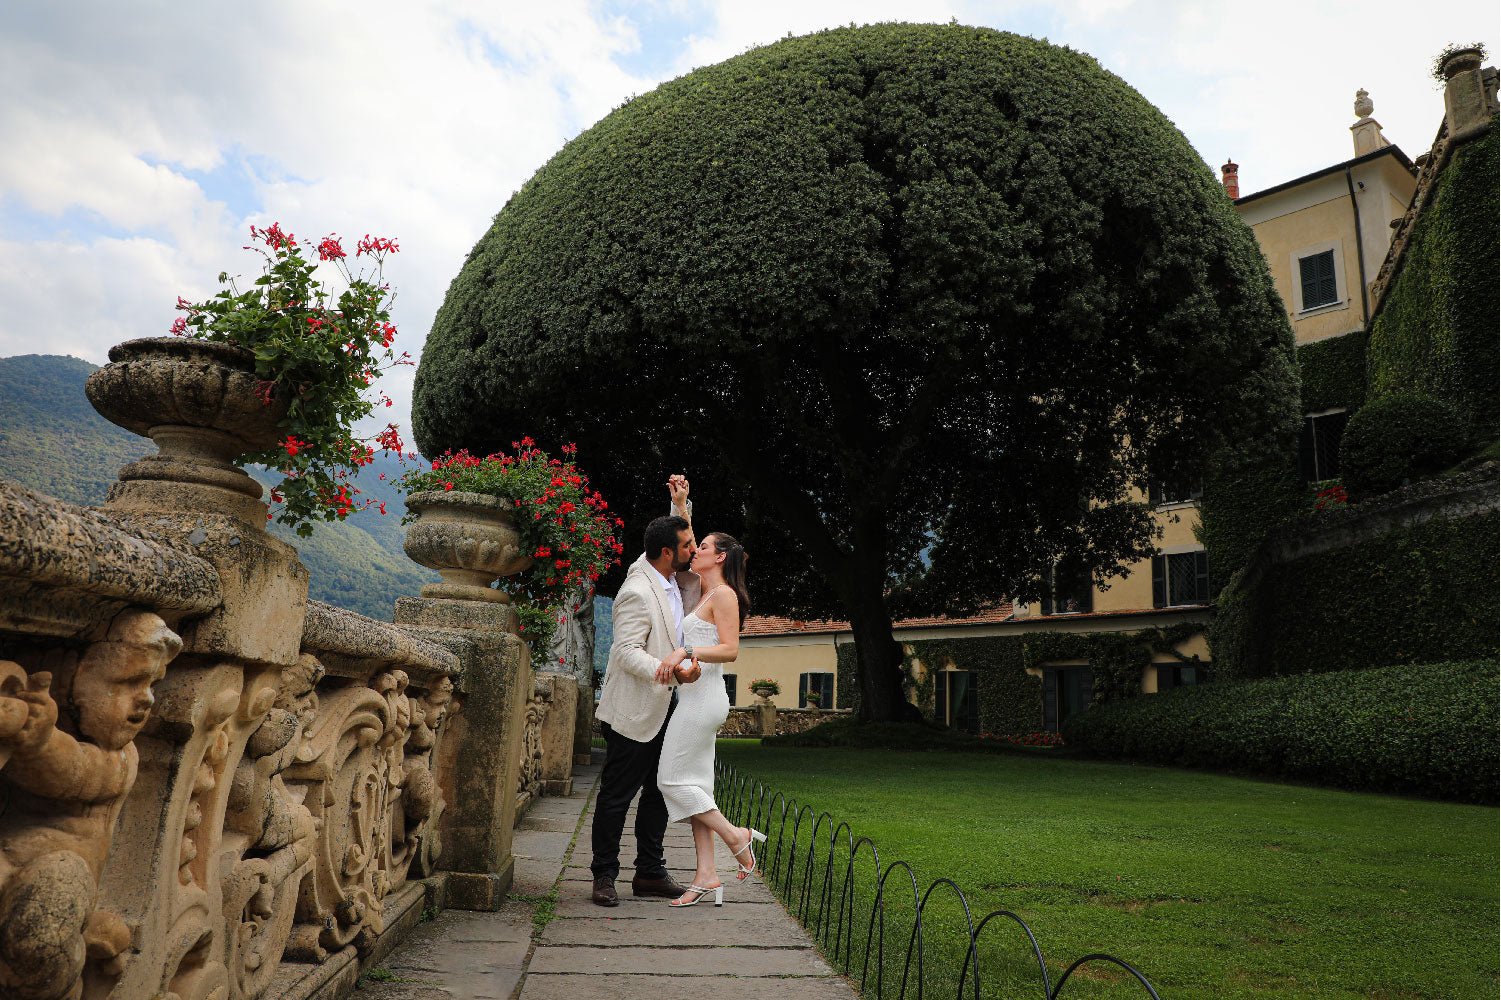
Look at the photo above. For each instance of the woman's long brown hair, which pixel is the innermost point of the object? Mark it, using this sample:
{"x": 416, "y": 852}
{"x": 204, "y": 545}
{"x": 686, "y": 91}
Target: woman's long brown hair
{"x": 734, "y": 568}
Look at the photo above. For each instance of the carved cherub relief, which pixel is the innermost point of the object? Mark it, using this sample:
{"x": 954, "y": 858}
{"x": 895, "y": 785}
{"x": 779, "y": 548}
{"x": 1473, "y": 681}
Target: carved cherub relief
{"x": 70, "y": 765}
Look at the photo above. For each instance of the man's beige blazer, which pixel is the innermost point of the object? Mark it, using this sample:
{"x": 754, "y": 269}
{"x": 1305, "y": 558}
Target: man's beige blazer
{"x": 632, "y": 702}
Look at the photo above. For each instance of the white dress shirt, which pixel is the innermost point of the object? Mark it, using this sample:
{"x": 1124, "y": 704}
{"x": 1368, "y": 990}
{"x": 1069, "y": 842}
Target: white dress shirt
{"x": 675, "y": 598}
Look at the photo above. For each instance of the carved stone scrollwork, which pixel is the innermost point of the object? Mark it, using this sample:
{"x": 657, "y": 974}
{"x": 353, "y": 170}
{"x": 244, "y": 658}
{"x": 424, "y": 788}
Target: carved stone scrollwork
{"x": 67, "y": 763}
{"x": 349, "y": 790}
{"x": 260, "y": 892}
{"x": 422, "y": 800}
{"x": 529, "y": 777}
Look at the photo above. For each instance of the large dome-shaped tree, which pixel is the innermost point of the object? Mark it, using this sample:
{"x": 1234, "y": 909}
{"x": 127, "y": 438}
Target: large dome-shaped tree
{"x": 915, "y": 306}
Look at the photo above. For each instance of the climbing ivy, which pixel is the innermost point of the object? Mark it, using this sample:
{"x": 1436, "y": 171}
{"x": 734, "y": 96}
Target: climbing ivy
{"x": 1436, "y": 329}
{"x": 1333, "y": 372}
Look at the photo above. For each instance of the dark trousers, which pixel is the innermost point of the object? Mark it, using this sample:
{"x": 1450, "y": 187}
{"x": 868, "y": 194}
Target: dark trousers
{"x": 630, "y": 767}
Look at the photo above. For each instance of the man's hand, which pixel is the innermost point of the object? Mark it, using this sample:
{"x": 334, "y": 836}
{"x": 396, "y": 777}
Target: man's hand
{"x": 677, "y": 489}
{"x": 687, "y": 675}
{"x": 668, "y": 667}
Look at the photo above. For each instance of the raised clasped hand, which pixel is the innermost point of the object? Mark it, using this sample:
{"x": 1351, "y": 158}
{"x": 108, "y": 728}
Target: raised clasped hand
{"x": 667, "y": 669}
{"x": 677, "y": 489}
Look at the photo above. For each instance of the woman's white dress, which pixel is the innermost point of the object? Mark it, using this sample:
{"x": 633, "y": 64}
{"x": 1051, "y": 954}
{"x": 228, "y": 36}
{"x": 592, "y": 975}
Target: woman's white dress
{"x": 686, "y": 771}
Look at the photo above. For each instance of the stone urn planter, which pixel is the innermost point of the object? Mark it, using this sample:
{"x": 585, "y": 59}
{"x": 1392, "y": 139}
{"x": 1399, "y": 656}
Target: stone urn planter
{"x": 469, "y": 538}
{"x": 202, "y": 404}
{"x": 764, "y": 693}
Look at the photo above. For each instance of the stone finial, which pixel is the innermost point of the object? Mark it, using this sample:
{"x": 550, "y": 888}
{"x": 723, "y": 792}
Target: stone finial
{"x": 1230, "y": 178}
{"x": 1467, "y": 103}
{"x": 1366, "y": 132}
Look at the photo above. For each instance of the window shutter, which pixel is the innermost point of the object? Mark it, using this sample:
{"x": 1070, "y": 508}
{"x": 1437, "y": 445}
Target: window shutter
{"x": 1164, "y": 678}
{"x": 802, "y": 690}
{"x": 1050, "y": 701}
{"x": 941, "y": 697}
{"x": 1317, "y": 275}
{"x": 1154, "y": 493}
{"x": 1201, "y": 577}
{"x": 1159, "y": 582}
{"x": 729, "y": 688}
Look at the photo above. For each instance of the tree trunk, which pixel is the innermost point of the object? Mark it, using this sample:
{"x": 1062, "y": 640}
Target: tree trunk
{"x": 879, "y": 667}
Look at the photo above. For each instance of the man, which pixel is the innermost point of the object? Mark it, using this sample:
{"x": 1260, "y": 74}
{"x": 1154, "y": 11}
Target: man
{"x": 645, "y": 658}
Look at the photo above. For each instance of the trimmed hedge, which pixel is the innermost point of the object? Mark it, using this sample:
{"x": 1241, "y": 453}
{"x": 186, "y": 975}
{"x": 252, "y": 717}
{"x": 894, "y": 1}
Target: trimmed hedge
{"x": 1394, "y": 439}
{"x": 1333, "y": 372}
{"x": 1436, "y": 331}
{"x": 1428, "y": 729}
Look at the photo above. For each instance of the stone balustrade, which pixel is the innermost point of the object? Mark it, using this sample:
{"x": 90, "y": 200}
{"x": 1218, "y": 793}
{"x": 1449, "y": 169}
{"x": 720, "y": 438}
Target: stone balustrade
{"x": 211, "y": 787}
{"x": 765, "y": 718}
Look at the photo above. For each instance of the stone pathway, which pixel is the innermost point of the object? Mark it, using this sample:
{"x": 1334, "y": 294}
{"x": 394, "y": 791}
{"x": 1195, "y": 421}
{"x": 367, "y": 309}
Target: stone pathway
{"x": 542, "y": 946}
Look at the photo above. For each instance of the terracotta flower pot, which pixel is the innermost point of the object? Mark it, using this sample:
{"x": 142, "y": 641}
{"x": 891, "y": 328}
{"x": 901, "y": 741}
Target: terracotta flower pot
{"x": 203, "y": 406}
{"x": 469, "y": 538}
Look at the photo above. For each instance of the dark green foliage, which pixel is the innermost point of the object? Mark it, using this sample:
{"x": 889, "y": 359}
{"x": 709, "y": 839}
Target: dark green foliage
{"x": 1428, "y": 729}
{"x": 1436, "y": 331}
{"x": 1416, "y": 594}
{"x": 884, "y": 291}
{"x": 1395, "y": 439}
{"x": 846, "y": 731}
{"x": 51, "y": 440}
{"x": 1254, "y": 488}
{"x": 1332, "y": 372}
{"x": 50, "y": 437}
{"x": 846, "y": 681}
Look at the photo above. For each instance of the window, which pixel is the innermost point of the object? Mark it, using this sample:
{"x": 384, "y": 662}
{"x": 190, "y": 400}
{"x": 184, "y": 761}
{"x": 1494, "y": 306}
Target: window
{"x": 823, "y": 684}
{"x": 1067, "y": 591}
{"x": 1172, "y": 675}
{"x": 1316, "y": 276}
{"x": 1318, "y": 447}
{"x": 1161, "y": 492}
{"x": 729, "y": 688}
{"x": 956, "y": 700}
{"x": 1180, "y": 578}
{"x": 1066, "y": 691}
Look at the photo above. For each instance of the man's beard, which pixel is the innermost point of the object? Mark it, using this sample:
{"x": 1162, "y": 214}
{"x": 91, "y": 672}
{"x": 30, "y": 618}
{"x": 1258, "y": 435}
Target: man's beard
{"x": 678, "y": 567}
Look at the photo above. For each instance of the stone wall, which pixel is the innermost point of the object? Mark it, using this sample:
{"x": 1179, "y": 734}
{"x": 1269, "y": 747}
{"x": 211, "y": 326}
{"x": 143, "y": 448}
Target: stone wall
{"x": 748, "y": 721}
{"x": 211, "y": 787}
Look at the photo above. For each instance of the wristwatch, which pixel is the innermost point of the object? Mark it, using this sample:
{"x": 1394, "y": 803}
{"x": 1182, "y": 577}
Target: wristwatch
{"x": 689, "y": 651}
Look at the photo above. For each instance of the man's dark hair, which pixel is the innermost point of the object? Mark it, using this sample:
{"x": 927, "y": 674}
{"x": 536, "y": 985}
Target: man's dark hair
{"x": 663, "y": 534}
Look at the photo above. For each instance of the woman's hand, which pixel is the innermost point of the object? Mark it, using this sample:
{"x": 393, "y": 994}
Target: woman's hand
{"x": 689, "y": 674}
{"x": 668, "y": 666}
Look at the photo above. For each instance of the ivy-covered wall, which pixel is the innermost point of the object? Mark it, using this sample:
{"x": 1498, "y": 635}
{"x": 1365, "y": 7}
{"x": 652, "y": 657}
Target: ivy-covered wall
{"x": 1011, "y": 698}
{"x": 1333, "y": 372}
{"x": 1389, "y": 592}
{"x": 1436, "y": 329}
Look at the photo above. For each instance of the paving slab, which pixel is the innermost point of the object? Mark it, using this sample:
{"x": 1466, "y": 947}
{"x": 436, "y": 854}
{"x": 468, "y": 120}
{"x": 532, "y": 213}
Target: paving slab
{"x": 577, "y": 987}
{"x": 748, "y": 949}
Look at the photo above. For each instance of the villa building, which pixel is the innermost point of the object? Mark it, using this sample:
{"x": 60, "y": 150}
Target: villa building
{"x": 1325, "y": 236}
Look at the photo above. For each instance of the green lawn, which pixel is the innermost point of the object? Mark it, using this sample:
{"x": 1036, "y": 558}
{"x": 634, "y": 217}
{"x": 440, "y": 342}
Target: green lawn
{"x": 1213, "y": 886}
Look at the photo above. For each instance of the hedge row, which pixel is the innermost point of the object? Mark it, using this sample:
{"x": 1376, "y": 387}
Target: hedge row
{"x": 1332, "y": 372}
{"x": 1428, "y": 729}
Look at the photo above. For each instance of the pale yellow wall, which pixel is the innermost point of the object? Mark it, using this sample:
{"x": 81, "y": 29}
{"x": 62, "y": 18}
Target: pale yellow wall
{"x": 782, "y": 662}
{"x": 1318, "y": 214}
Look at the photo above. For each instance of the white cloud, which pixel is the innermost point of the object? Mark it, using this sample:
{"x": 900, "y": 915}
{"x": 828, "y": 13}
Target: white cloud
{"x": 141, "y": 139}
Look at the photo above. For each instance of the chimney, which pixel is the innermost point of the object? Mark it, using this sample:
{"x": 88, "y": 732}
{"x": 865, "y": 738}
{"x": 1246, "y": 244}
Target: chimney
{"x": 1231, "y": 178}
{"x": 1367, "y": 131}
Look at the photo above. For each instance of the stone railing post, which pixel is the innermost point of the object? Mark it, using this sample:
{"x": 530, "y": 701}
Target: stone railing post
{"x": 766, "y": 715}
{"x": 557, "y": 734}
{"x": 471, "y": 540}
{"x": 583, "y": 726}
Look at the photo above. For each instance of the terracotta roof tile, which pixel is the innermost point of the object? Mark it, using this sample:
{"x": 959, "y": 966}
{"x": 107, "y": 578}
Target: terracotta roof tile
{"x": 776, "y": 625}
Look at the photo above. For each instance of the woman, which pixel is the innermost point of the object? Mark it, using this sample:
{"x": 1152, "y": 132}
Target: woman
{"x": 711, "y": 634}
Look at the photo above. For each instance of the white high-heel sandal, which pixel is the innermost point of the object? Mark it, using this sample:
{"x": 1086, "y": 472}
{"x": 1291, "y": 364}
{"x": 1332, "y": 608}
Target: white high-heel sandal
{"x": 750, "y": 845}
{"x": 699, "y": 892}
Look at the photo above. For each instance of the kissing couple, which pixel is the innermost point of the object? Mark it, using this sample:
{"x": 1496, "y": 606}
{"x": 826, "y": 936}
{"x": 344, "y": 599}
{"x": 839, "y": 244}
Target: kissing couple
{"x": 663, "y": 703}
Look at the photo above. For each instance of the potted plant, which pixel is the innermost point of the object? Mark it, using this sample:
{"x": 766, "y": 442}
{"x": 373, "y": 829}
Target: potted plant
{"x": 765, "y": 687}
{"x": 528, "y": 520}
{"x": 813, "y": 698}
{"x": 274, "y": 375}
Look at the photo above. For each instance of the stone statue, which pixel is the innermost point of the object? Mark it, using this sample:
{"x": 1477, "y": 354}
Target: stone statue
{"x": 70, "y": 766}
{"x": 573, "y": 643}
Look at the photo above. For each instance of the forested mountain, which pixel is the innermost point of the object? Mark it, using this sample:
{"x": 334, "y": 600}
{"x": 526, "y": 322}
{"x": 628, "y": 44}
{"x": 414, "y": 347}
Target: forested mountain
{"x": 51, "y": 440}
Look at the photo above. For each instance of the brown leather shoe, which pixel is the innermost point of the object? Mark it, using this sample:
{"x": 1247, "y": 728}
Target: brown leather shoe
{"x": 604, "y": 892}
{"x": 663, "y": 886}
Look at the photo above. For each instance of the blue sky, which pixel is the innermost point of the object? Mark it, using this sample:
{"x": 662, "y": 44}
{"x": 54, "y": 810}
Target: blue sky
{"x": 142, "y": 140}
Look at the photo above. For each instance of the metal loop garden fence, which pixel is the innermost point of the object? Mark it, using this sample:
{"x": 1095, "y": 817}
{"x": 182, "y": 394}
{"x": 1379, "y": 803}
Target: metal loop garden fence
{"x": 834, "y": 882}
